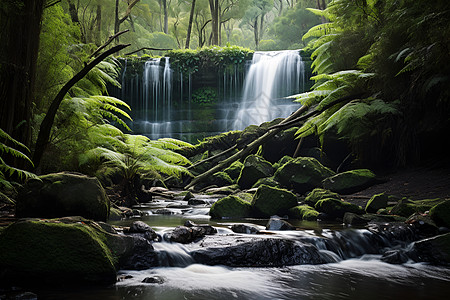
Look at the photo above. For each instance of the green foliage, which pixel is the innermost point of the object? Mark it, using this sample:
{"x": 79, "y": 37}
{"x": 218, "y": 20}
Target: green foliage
{"x": 204, "y": 95}
{"x": 189, "y": 61}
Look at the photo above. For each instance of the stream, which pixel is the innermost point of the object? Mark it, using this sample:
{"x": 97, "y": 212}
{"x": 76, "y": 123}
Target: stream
{"x": 353, "y": 269}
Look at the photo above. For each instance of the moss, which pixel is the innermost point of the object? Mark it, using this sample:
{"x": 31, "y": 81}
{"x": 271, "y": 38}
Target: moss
{"x": 266, "y": 181}
{"x": 303, "y": 212}
{"x": 337, "y": 208}
{"x": 282, "y": 161}
{"x": 255, "y": 167}
{"x": 302, "y": 174}
{"x": 220, "y": 179}
{"x": 319, "y": 194}
{"x": 350, "y": 181}
{"x": 234, "y": 170}
{"x": 269, "y": 201}
{"x": 406, "y": 207}
{"x": 52, "y": 250}
{"x": 230, "y": 207}
{"x": 440, "y": 213}
{"x": 377, "y": 202}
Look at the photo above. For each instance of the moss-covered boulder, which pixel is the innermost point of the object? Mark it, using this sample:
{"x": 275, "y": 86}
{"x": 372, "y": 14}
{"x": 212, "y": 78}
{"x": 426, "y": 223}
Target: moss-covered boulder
{"x": 281, "y": 143}
{"x": 337, "y": 208}
{"x": 220, "y": 179}
{"x": 406, "y": 207}
{"x": 234, "y": 170}
{"x": 269, "y": 201}
{"x": 230, "y": 207}
{"x": 440, "y": 214}
{"x": 350, "y": 182}
{"x": 302, "y": 174}
{"x": 377, "y": 202}
{"x": 255, "y": 167}
{"x": 65, "y": 250}
{"x": 266, "y": 181}
{"x": 63, "y": 194}
{"x": 319, "y": 194}
{"x": 303, "y": 212}
{"x": 282, "y": 161}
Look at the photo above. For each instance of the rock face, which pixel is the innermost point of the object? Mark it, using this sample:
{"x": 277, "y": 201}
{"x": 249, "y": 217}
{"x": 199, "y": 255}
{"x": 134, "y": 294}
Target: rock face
{"x": 269, "y": 201}
{"x": 302, "y": 174}
{"x": 256, "y": 252}
{"x": 63, "y": 194}
{"x": 190, "y": 232}
{"x": 255, "y": 167}
{"x": 234, "y": 170}
{"x": 441, "y": 214}
{"x": 220, "y": 179}
{"x": 275, "y": 223}
{"x": 230, "y": 207}
{"x": 350, "y": 182}
{"x": 435, "y": 250}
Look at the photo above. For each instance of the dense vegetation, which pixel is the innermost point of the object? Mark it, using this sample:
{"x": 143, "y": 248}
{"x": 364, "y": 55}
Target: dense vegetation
{"x": 386, "y": 63}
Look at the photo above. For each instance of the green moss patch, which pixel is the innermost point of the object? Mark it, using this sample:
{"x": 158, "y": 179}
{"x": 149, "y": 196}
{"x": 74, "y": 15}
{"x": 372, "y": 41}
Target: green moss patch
{"x": 230, "y": 207}
{"x": 269, "y": 201}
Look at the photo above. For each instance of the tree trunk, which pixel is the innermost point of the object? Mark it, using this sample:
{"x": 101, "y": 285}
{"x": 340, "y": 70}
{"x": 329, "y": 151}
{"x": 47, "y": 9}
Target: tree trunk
{"x": 191, "y": 18}
{"x": 98, "y": 19}
{"x": 256, "y": 33}
{"x": 214, "y": 8}
{"x": 20, "y": 26}
{"x": 166, "y": 17}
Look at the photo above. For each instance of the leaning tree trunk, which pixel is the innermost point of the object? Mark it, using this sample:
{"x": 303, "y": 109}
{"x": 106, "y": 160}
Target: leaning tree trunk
{"x": 20, "y": 25}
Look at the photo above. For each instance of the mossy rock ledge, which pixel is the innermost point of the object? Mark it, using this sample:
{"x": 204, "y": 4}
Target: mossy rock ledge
{"x": 319, "y": 194}
{"x": 63, "y": 194}
{"x": 255, "y": 167}
{"x": 269, "y": 201}
{"x": 337, "y": 208}
{"x": 64, "y": 251}
{"x": 350, "y": 182}
{"x": 302, "y": 174}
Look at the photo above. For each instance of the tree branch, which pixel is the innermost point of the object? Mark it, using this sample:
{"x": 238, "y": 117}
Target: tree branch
{"x": 147, "y": 48}
{"x": 110, "y": 39}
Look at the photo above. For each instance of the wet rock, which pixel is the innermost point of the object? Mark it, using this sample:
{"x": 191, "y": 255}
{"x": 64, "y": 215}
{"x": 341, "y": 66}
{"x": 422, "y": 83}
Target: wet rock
{"x": 275, "y": 223}
{"x": 224, "y": 190}
{"x": 230, "y": 207}
{"x": 358, "y": 219}
{"x": 395, "y": 257}
{"x": 141, "y": 257}
{"x": 377, "y": 202}
{"x": 189, "y": 195}
{"x": 350, "y": 182}
{"x": 243, "y": 228}
{"x": 303, "y": 212}
{"x": 162, "y": 211}
{"x": 423, "y": 224}
{"x": 194, "y": 202}
{"x": 302, "y": 174}
{"x": 435, "y": 250}
{"x": 178, "y": 206}
{"x": 63, "y": 194}
{"x": 154, "y": 279}
{"x": 256, "y": 252}
{"x": 185, "y": 234}
{"x": 139, "y": 227}
{"x": 337, "y": 208}
{"x": 255, "y": 167}
{"x": 269, "y": 201}
{"x": 320, "y": 194}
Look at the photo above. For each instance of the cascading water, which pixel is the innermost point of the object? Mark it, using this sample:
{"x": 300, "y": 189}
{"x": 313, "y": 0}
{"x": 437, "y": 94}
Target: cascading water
{"x": 272, "y": 76}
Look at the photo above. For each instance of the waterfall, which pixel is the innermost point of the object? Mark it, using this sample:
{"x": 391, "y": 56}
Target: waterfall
{"x": 272, "y": 76}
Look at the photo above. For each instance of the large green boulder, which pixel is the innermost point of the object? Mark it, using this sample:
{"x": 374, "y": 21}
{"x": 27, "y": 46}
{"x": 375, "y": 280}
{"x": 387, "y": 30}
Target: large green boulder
{"x": 63, "y": 194}
{"x": 220, "y": 179}
{"x": 440, "y": 214}
{"x": 319, "y": 194}
{"x": 230, "y": 207}
{"x": 302, "y": 174}
{"x": 255, "y": 167}
{"x": 234, "y": 170}
{"x": 269, "y": 201}
{"x": 303, "y": 212}
{"x": 377, "y": 202}
{"x": 68, "y": 250}
{"x": 350, "y": 182}
{"x": 267, "y": 181}
{"x": 337, "y": 208}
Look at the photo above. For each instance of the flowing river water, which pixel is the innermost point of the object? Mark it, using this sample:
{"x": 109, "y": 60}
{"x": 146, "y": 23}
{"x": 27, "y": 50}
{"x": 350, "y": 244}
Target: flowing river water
{"x": 354, "y": 270}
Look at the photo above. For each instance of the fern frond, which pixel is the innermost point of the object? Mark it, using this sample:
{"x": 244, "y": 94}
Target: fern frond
{"x": 319, "y": 30}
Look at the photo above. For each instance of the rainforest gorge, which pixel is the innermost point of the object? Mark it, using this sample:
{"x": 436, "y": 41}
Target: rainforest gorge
{"x": 178, "y": 149}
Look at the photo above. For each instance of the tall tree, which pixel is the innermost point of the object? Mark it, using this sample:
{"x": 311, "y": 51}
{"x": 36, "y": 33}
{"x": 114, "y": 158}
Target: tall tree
{"x": 191, "y": 18}
{"x": 215, "y": 22}
{"x": 20, "y": 23}
{"x": 118, "y": 19}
